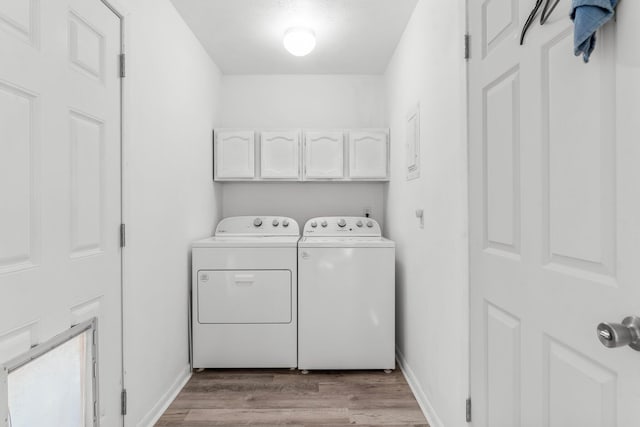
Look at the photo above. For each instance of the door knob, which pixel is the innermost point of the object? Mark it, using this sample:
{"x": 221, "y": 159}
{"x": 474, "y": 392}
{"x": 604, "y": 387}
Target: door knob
{"x": 613, "y": 335}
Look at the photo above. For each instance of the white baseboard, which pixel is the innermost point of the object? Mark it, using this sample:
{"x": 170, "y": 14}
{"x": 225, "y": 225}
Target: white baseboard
{"x": 427, "y": 409}
{"x": 163, "y": 403}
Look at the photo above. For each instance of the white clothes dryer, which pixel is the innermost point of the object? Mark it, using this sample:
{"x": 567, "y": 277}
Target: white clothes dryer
{"x": 346, "y": 295}
{"x": 244, "y": 294}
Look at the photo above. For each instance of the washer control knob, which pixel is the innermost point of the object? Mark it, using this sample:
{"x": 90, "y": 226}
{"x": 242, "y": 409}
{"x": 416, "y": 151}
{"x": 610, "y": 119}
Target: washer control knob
{"x": 342, "y": 223}
{"x": 359, "y": 223}
{"x": 257, "y": 222}
{"x": 324, "y": 223}
{"x": 285, "y": 223}
{"x": 314, "y": 224}
{"x": 369, "y": 224}
{"x": 275, "y": 223}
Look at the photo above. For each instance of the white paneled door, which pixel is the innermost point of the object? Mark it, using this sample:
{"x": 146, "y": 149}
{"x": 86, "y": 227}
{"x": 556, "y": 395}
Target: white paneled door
{"x": 555, "y": 219}
{"x": 60, "y": 177}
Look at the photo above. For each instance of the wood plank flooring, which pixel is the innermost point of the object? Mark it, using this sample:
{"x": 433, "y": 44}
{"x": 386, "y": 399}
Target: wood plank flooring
{"x": 285, "y": 397}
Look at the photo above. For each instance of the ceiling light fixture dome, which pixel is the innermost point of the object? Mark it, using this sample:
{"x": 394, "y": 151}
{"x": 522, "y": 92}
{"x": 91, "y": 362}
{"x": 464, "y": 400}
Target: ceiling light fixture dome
{"x": 299, "y": 41}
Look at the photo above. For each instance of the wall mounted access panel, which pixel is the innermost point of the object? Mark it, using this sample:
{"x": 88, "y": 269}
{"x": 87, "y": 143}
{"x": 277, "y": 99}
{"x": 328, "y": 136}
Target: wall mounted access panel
{"x": 413, "y": 143}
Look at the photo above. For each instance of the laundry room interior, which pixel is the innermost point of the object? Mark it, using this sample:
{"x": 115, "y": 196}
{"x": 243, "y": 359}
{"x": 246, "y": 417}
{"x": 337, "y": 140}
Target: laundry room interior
{"x": 319, "y": 212}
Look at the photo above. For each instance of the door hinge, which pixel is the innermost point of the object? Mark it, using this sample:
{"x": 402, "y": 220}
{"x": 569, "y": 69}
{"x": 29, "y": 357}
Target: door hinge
{"x": 123, "y": 73}
{"x": 467, "y": 46}
{"x": 123, "y": 236}
{"x": 123, "y": 402}
{"x": 468, "y": 410}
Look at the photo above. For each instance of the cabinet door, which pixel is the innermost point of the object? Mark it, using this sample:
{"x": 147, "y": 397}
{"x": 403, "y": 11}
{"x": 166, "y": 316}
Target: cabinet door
{"x": 280, "y": 154}
{"x": 368, "y": 154}
{"x": 324, "y": 155}
{"x": 235, "y": 154}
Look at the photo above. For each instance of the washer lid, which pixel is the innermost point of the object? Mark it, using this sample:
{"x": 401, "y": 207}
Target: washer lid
{"x": 346, "y": 242}
{"x": 247, "y": 242}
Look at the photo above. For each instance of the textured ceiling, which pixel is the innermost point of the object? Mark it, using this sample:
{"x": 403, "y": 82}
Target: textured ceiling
{"x": 245, "y": 36}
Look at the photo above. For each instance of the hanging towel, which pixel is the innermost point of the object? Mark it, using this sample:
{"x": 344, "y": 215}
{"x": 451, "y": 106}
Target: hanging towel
{"x": 588, "y": 16}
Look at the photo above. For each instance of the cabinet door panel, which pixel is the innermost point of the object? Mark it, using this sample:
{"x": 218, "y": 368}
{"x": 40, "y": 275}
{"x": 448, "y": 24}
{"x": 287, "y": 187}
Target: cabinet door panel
{"x": 324, "y": 155}
{"x": 368, "y": 154}
{"x": 280, "y": 154}
{"x": 235, "y": 154}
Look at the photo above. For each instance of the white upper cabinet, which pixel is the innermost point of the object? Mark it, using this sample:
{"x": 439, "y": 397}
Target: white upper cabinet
{"x": 295, "y": 155}
{"x": 234, "y": 154}
{"x": 369, "y": 154}
{"x": 324, "y": 155}
{"x": 280, "y": 155}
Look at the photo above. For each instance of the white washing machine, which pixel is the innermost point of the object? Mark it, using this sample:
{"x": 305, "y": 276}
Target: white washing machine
{"x": 244, "y": 294}
{"x": 346, "y": 295}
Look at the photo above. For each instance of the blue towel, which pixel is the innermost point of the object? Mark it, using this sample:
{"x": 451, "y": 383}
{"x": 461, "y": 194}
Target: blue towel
{"x": 588, "y": 16}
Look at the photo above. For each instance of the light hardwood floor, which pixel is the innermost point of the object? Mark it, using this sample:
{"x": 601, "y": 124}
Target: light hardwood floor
{"x": 277, "y": 397}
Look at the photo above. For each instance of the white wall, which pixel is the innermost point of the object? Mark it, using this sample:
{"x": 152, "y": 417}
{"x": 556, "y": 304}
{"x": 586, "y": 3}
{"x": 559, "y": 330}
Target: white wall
{"x": 428, "y": 68}
{"x": 172, "y": 92}
{"x": 309, "y": 199}
{"x": 303, "y": 101}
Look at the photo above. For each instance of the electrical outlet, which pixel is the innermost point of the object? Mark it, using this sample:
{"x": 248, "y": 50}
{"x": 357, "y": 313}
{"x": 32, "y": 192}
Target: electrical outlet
{"x": 366, "y": 212}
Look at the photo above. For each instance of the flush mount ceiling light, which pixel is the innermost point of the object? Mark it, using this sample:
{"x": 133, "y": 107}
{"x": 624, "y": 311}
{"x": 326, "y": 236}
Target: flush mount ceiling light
{"x": 299, "y": 41}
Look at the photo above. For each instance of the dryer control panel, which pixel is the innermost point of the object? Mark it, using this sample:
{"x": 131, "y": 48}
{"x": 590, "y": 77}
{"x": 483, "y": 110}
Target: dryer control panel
{"x": 258, "y": 226}
{"x": 342, "y": 226}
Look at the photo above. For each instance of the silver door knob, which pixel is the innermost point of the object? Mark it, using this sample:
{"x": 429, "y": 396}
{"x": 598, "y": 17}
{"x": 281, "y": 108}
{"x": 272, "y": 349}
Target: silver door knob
{"x": 613, "y": 335}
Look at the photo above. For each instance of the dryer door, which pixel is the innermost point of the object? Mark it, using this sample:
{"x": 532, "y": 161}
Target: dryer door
{"x": 244, "y": 296}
